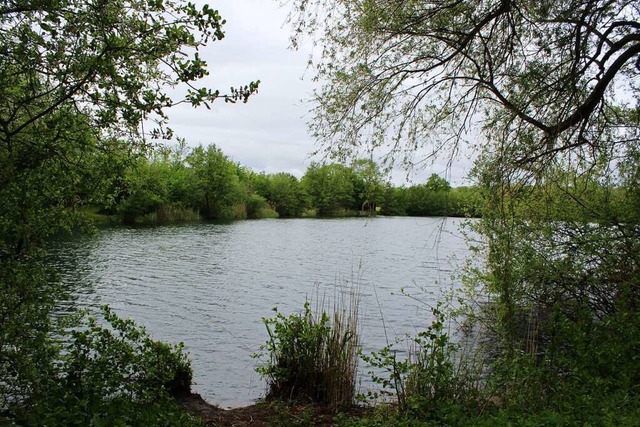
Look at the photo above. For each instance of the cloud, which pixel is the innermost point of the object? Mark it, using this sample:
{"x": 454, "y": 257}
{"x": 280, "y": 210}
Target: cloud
{"x": 269, "y": 133}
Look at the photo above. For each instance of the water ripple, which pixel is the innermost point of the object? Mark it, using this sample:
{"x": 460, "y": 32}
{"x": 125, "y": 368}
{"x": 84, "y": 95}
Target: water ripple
{"x": 209, "y": 285}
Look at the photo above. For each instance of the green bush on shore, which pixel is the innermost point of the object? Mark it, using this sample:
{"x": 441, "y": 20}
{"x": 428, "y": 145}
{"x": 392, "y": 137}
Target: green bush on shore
{"x": 312, "y": 357}
{"x": 107, "y": 374}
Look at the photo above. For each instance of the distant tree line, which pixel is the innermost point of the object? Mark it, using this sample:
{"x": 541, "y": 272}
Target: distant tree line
{"x": 184, "y": 183}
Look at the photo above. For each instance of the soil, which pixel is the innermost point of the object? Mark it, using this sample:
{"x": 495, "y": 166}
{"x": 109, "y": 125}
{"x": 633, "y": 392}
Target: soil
{"x": 264, "y": 413}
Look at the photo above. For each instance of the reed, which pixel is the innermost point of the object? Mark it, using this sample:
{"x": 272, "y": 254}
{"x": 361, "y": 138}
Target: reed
{"x": 313, "y": 356}
{"x": 165, "y": 214}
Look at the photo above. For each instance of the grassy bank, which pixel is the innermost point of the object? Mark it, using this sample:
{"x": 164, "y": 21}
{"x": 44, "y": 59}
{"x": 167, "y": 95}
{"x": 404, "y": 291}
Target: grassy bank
{"x": 429, "y": 380}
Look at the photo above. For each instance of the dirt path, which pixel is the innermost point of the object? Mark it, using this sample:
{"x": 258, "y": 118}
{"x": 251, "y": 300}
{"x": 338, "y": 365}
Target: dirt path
{"x": 262, "y": 414}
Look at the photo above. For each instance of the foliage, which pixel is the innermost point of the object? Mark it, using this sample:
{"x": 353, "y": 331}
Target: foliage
{"x": 561, "y": 275}
{"x": 111, "y": 374}
{"x": 466, "y": 202}
{"x": 330, "y": 188}
{"x": 312, "y": 357}
{"x": 165, "y": 186}
{"x": 26, "y": 298}
{"x": 430, "y": 379}
{"x": 413, "y": 77}
{"x": 146, "y": 189}
{"x": 185, "y": 183}
{"x": 41, "y": 187}
{"x": 111, "y": 61}
{"x": 393, "y": 201}
{"x": 179, "y": 183}
{"x": 557, "y": 284}
{"x": 367, "y": 185}
{"x": 217, "y": 182}
{"x": 286, "y": 195}
{"x": 427, "y": 200}
{"x": 549, "y": 89}
{"x": 254, "y": 205}
{"x": 78, "y": 79}
{"x": 433, "y": 198}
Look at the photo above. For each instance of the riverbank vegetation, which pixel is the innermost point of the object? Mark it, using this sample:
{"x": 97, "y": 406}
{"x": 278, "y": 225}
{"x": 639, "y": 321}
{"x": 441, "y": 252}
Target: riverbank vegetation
{"x": 185, "y": 184}
{"x": 550, "y": 91}
{"x": 551, "y": 88}
{"x": 312, "y": 357}
{"x": 182, "y": 183}
{"x": 77, "y": 81}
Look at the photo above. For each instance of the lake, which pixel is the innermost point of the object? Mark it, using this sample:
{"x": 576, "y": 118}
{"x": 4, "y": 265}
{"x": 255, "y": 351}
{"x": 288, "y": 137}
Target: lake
{"x": 209, "y": 285}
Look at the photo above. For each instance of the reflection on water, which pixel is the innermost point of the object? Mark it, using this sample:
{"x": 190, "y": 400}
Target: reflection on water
{"x": 209, "y": 285}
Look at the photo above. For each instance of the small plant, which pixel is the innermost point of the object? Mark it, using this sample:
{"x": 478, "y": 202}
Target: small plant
{"x": 312, "y": 357}
{"x": 428, "y": 376}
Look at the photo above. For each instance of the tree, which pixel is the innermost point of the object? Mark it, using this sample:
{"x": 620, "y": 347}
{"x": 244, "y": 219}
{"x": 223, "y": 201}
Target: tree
{"x": 394, "y": 201}
{"x": 79, "y": 81}
{"x": 550, "y": 87}
{"x": 466, "y": 202}
{"x": 75, "y": 75}
{"x": 367, "y": 184}
{"x": 147, "y": 189}
{"x": 111, "y": 61}
{"x": 218, "y": 185}
{"x": 437, "y": 183}
{"x": 330, "y": 187}
{"x": 260, "y": 183}
{"x": 539, "y": 77}
{"x": 286, "y": 195}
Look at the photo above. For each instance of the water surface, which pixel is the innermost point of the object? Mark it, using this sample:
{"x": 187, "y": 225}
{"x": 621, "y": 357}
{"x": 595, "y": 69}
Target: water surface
{"x": 209, "y": 285}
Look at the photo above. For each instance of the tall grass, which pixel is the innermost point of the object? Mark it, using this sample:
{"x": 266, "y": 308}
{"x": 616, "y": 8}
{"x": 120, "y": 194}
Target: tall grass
{"x": 172, "y": 213}
{"x": 165, "y": 214}
{"x": 313, "y": 356}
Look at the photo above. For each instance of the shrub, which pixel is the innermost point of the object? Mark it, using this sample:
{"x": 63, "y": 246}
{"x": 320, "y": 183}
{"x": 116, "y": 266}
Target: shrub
{"x": 267, "y": 212}
{"x": 312, "y": 357}
{"x": 254, "y": 203}
{"x": 111, "y": 375}
{"x": 430, "y": 380}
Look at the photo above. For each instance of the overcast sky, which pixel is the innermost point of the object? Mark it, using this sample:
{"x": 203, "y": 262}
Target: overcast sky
{"x": 269, "y": 133}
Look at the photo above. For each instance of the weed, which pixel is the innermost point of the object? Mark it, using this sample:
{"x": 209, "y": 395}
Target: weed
{"x": 429, "y": 379}
{"x": 312, "y": 356}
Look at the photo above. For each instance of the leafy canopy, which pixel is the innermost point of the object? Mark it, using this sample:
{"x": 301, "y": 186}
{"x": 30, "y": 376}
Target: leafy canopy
{"x": 550, "y": 91}
{"x": 416, "y": 77}
{"x": 112, "y": 61}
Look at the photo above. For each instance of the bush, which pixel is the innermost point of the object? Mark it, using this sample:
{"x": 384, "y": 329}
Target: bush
{"x": 111, "y": 375}
{"x": 27, "y": 296}
{"x": 431, "y": 380}
{"x": 312, "y": 357}
{"x": 254, "y": 204}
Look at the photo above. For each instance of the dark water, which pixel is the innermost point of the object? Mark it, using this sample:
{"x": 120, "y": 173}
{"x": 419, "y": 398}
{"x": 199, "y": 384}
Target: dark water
{"x": 209, "y": 285}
